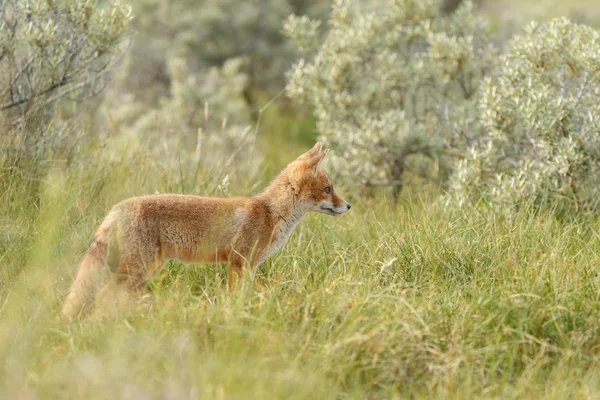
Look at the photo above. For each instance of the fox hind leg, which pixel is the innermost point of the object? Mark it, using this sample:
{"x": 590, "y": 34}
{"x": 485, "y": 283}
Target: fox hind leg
{"x": 134, "y": 270}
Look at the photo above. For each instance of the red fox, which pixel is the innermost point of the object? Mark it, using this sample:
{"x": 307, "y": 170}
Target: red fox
{"x": 140, "y": 233}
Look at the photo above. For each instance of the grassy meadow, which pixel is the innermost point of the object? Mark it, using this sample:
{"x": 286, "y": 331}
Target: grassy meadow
{"x": 386, "y": 301}
{"x": 392, "y": 300}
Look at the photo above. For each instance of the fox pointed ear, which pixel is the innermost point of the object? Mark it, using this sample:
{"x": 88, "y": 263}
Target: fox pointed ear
{"x": 312, "y": 152}
{"x": 315, "y": 161}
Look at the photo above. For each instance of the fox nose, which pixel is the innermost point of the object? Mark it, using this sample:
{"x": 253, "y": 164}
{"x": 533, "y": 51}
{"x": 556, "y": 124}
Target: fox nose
{"x": 349, "y": 206}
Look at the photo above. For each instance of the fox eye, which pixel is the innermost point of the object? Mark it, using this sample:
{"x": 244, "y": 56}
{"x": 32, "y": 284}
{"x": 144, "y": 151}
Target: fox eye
{"x": 327, "y": 189}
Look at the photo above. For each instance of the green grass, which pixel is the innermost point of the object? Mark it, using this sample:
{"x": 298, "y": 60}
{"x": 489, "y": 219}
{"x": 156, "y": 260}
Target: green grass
{"x": 384, "y": 302}
{"x": 387, "y": 301}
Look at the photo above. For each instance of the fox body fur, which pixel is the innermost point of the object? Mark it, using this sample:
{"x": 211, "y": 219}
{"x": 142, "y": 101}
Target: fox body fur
{"x": 140, "y": 233}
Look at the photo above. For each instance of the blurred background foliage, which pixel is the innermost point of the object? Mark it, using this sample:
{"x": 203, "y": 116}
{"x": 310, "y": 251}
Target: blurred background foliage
{"x": 400, "y": 90}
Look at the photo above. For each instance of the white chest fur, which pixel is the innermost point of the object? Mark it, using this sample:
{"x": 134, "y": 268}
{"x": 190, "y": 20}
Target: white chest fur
{"x": 282, "y": 233}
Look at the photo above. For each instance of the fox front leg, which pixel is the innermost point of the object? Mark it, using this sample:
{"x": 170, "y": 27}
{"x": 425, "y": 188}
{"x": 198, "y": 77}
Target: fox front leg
{"x": 234, "y": 273}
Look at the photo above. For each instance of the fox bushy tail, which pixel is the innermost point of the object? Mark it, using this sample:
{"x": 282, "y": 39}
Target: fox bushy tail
{"x": 91, "y": 273}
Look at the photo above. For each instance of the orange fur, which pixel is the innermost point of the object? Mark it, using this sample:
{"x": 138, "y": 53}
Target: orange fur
{"x": 140, "y": 233}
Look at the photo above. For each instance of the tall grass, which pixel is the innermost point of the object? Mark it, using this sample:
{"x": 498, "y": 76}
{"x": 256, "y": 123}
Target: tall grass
{"x": 386, "y": 301}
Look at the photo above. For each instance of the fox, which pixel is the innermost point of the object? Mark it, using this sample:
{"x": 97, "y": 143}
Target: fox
{"x": 140, "y": 233}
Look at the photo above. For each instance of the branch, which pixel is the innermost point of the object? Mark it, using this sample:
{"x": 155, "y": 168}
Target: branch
{"x": 371, "y": 183}
{"x": 99, "y": 75}
{"x": 23, "y": 100}
{"x": 21, "y": 71}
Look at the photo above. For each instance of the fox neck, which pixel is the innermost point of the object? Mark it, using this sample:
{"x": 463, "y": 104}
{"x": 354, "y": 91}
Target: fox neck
{"x": 284, "y": 205}
{"x": 286, "y": 210}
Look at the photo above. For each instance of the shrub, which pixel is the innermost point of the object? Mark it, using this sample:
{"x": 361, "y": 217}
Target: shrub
{"x": 394, "y": 90}
{"x": 541, "y": 121}
{"x": 51, "y": 51}
{"x": 208, "y": 33}
{"x": 203, "y": 118}
{"x": 191, "y": 74}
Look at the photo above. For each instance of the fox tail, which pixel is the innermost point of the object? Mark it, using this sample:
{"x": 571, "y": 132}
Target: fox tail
{"x": 91, "y": 271}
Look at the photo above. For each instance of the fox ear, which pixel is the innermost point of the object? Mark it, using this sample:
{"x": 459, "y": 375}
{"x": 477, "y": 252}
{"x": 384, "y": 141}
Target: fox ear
{"x": 312, "y": 152}
{"x": 295, "y": 178}
{"x": 315, "y": 161}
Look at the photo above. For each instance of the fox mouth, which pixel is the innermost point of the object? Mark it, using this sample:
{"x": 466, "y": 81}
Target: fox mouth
{"x": 330, "y": 211}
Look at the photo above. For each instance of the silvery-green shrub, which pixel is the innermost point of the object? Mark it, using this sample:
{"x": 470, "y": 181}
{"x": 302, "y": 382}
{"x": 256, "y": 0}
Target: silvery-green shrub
{"x": 51, "y": 52}
{"x": 191, "y": 73}
{"x": 203, "y": 116}
{"x": 393, "y": 88}
{"x": 540, "y": 118}
{"x": 207, "y": 33}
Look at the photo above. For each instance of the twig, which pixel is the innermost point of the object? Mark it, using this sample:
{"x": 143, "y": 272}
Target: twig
{"x": 372, "y": 183}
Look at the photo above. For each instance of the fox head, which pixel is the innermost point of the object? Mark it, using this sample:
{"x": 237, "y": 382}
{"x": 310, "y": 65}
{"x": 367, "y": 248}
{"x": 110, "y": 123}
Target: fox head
{"x": 312, "y": 186}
